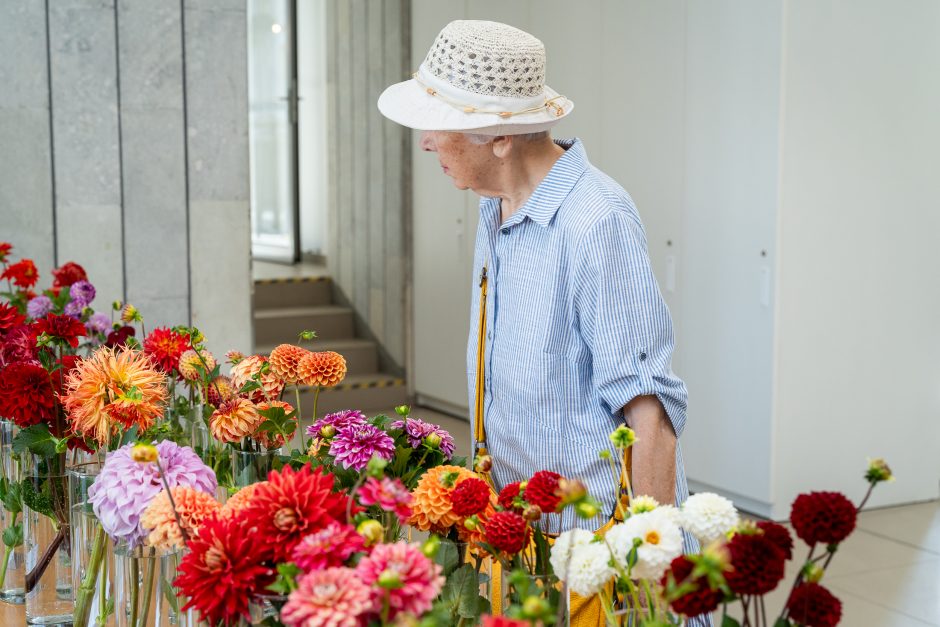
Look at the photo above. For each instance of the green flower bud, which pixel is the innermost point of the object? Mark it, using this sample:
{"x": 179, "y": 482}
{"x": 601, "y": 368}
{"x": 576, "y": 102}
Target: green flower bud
{"x": 623, "y": 437}
{"x": 403, "y": 410}
{"x": 431, "y": 546}
{"x": 390, "y": 580}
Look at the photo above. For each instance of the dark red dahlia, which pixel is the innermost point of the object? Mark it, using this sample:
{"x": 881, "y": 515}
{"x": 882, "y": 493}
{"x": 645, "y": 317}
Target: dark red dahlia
{"x": 470, "y": 497}
{"x": 507, "y": 532}
{"x": 66, "y": 364}
{"x": 223, "y": 567}
{"x": 542, "y": 490}
{"x": 26, "y": 394}
{"x": 757, "y": 564}
{"x": 118, "y": 337}
{"x": 23, "y": 273}
{"x": 69, "y": 273}
{"x": 65, "y": 328}
{"x": 812, "y": 605}
{"x": 702, "y": 599}
{"x": 507, "y": 495}
{"x": 826, "y": 517}
{"x": 290, "y": 505}
{"x": 779, "y": 535}
{"x": 10, "y": 317}
{"x": 18, "y": 344}
{"x": 165, "y": 347}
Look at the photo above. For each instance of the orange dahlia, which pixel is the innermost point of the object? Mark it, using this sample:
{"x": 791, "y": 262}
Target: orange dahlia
{"x": 191, "y": 364}
{"x": 324, "y": 369}
{"x": 241, "y": 499}
{"x": 220, "y": 390}
{"x": 235, "y": 419}
{"x": 432, "y": 508}
{"x": 113, "y": 388}
{"x": 246, "y": 369}
{"x": 193, "y": 506}
{"x": 268, "y": 439}
{"x": 285, "y": 360}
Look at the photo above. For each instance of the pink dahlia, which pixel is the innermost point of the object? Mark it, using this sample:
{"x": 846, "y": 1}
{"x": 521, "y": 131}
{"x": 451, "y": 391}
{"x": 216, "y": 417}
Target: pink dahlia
{"x": 333, "y": 597}
{"x": 419, "y": 579}
{"x": 338, "y": 420}
{"x": 331, "y": 546}
{"x": 418, "y": 432}
{"x": 355, "y": 445}
{"x": 391, "y": 495}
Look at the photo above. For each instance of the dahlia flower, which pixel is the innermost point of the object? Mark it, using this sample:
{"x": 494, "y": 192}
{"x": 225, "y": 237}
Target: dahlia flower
{"x": 390, "y": 495}
{"x": 285, "y": 361}
{"x": 337, "y": 421}
{"x": 39, "y": 307}
{"x": 193, "y": 365}
{"x": 119, "y": 336}
{"x": 324, "y": 369}
{"x": 470, "y": 497}
{"x": 701, "y": 598}
{"x": 418, "y": 431}
{"x": 589, "y": 568}
{"x": 270, "y": 439}
{"x": 11, "y": 317}
{"x": 508, "y": 494}
{"x": 507, "y": 532}
{"x": 778, "y": 535}
{"x": 99, "y": 323}
{"x": 234, "y": 419}
{"x": 19, "y": 345}
{"x": 82, "y": 292}
{"x": 661, "y": 543}
{"x": 193, "y": 507}
{"x": 166, "y": 346}
{"x": 240, "y": 500}
{"x": 562, "y": 550}
{"x": 64, "y": 328}
{"x": 68, "y": 274}
{"x": 542, "y": 490}
{"x": 244, "y": 371}
{"x": 432, "y": 509}
{"x": 5, "y": 248}
{"x": 813, "y": 605}
{"x": 757, "y": 564}
{"x": 331, "y": 546}
{"x": 354, "y": 446}
{"x": 23, "y": 273}
{"x": 334, "y": 597}
{"x": 824, "y": 517}
{"x": 223, "y": 567}
{"x": 420, "y": 579}
{"x": 113, "y": 388}
{"x": 708, "y": 516}
{"x": 26, "y": 394}
{"x": 73, "y": 309}
{"x": 125, "y": 488}
{"x": 220, "y": 390}
{"x": 290, "y": 505}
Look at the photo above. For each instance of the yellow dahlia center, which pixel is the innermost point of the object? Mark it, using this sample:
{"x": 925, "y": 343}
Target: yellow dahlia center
{"x": 652, "y": 538}
{"x": 285, "y": 519}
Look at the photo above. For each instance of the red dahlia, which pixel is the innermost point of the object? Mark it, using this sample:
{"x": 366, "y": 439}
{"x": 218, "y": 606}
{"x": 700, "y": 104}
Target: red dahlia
{"x": 23, "y": 273}
{"x": 10, "y": 317}
{"x": 502, "y": 621}
{"x": 223, "y": 566}
{"x": 812, "y": 605}
{"x": 65, "y": 328}
{"x": 290, "y": 505}
{"x": 470, "y": 497}
{"x": 18, "y": 344}
{"x": 826, "y": 517}
{"x": 542, "y": 490}
{"x": 507, "y": 495}
{"x": 757, "y": 564}
{"x": 5, "y": 248}
{"x": 26, "y": 394}
{"x": 507, "y": 532}
{"x": 165, "y": 347}
{"x": 702, "y": 599}
{"x": 118, "y": 337}
{"x": 69, "y": 273}
{"x": 779, "y": 535}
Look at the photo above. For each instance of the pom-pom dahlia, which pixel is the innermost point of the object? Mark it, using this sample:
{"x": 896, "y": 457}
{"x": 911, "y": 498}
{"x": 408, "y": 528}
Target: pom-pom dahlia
{"x": 244, "y": 372}
{"x": 355, "y": 445}
{"x": 826, "y": 517}
{"x": 661, "y": 543}
{"x": 701, "y": 599}
{"x": 432, "y": 509}
{"x": 757, "y": 565}
{"x": 285, "y": 362}
{"x": 220, "y": 390}
{"x": 193, "y": 506}
{"x": 166, "y": 346}
{"x": 194, "y": 366}
{"x": 234, "y": 419}
{"x": 812, "y": 605}
{"x": 507, "y": 532}
{"x": 778, "y": 535}
{"x": 334, "y": 597}
{"x": 542, "y": 490}
{"x": 26, "y": 394}
{"x": 420, "y": 579}
{"x": 82, "y": 292}
{"x": 708, "y": 516}
{"x": 331, "y": 546}
{"x": 589, "y": 569}
{"x": 390, "y": 495}
{"x": 508, "y": 495}
{"x": 240, "y": 500}
{"x": 470, "y": 497}
{"x": 324, "y": 369}
{"x": 563, "y": 549}
{"x": 37, "y": 307}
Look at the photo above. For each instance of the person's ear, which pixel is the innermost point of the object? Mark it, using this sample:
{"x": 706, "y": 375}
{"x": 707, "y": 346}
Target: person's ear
{"x": 502, "y": 146}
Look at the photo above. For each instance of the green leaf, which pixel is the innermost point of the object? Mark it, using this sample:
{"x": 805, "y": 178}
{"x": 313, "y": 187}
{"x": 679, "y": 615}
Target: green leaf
{"x": 727, "y": 621}
{"x": 11, "y": 494}
{"x": 462, "y": 592}
{"x": 286, "y": 581}
{"x": 447, "y": 556}
{"x": 35, "y": 439}
{"x": 783, "y": 622}
{"x": 170, "y": 595}
{"x": 250, "y": 386}
{"x": 37, "y": 499}
{"x": 13, "y": 536}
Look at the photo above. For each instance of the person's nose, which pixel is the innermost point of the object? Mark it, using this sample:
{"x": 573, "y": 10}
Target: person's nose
{"x": 427, "y": 141}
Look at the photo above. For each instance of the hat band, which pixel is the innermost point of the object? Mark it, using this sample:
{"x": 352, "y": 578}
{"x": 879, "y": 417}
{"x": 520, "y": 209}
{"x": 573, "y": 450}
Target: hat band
{"x": 434, "y": 87}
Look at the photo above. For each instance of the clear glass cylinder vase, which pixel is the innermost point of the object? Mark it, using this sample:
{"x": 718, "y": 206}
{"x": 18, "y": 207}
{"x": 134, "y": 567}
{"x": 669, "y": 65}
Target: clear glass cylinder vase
{"x": 46, "y": 542}
{"x": 91, "y": 555}
{"x": 251, "y": 467}
{"x": 143, "y": 588}
{"x": 12, "y": 567}
{"x": 265, "y": 609}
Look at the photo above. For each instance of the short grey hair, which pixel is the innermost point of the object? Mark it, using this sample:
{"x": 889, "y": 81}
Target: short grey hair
{"x": 476, "y": 138}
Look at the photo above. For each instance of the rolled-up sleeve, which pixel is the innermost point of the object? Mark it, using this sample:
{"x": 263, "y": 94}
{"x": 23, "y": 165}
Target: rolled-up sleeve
{"x": 623, "y": 318}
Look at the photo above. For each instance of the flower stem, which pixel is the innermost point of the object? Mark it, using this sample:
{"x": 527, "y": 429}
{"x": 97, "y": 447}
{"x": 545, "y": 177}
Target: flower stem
{"x": 149, "y": 569}
{"x": 316, "y": 400}
{"x": 6, "y": 560}
{"x": 135, "y": 588}
{"x": 86, "y": 591}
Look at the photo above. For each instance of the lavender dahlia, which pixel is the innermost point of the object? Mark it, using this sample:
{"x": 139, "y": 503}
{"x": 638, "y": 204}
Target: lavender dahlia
{"x": 418, "y": 430}
{"x": 98, "y": 323}
{"x": 38, "y": 307}
{"x": 338, "y": 420}
{"x": 82, "y": 292}
{"x": 125, "y": 488}
{"x": 74, "y": 309}
{"x": 354, "y": 446}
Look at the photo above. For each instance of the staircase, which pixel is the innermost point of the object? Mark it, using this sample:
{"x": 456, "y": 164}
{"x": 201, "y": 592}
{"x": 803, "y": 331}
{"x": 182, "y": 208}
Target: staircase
{"x": 283, "y": 307}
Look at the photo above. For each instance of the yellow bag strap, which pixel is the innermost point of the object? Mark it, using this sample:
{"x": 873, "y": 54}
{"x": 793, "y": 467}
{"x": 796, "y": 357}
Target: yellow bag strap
{"x": 479, "y": 426}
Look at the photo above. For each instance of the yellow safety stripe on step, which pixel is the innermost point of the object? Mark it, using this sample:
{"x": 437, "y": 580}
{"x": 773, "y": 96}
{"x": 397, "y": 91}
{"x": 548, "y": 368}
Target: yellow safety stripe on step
{"x": 298, "y": 279}
{"x": 366, "y": 385}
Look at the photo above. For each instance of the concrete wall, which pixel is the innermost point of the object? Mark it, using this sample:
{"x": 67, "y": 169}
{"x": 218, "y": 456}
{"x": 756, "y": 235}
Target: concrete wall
{"x": 123, "y": 146}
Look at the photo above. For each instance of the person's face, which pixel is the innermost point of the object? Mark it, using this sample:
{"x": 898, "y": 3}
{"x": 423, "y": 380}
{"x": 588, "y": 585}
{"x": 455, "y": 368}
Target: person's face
{"x": 465, "y": 162}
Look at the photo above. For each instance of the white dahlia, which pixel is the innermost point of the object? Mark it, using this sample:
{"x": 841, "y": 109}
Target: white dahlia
{"x": 660, "y": 543}
{"x": 564, "y": 545}
{"x": 708, "y": 516}
{"x": 589, "y": 569}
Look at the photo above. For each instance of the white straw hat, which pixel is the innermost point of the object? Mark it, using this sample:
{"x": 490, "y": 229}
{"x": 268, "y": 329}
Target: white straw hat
{"x": 480, "y": 77}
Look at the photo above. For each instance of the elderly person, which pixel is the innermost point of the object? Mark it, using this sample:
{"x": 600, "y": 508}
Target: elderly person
{"x": 570, "y": 335}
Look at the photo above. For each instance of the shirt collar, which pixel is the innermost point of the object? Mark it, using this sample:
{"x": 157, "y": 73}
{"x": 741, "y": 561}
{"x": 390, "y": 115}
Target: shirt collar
{"x": 544, "y": 202}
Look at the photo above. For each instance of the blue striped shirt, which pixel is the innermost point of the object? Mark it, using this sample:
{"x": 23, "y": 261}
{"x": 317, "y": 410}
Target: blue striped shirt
{"x": 576, "y": 328}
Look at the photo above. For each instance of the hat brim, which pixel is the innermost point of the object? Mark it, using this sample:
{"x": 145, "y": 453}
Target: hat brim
{"x": 409, "y": 104}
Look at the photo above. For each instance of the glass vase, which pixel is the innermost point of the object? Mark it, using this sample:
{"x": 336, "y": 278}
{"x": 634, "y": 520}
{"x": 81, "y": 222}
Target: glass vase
{"x": 143, "y": 588}
{"x": 12, "y": 568}
{"x": 46, "y": 542}
{"x": 264, "y": 607}
{"x": 251, "y": 467}
{"x": 91, "y": 551}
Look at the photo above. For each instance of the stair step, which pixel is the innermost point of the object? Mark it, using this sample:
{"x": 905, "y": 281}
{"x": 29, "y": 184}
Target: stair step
{"x": 362, "y": 356}
{"x": 284, "y": 324}
{"x": 379, "y": 393}
{"x": 292, "y": 292}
